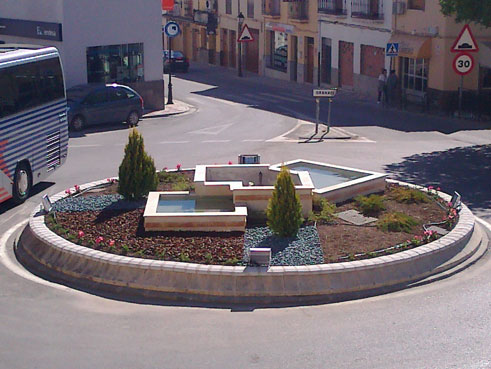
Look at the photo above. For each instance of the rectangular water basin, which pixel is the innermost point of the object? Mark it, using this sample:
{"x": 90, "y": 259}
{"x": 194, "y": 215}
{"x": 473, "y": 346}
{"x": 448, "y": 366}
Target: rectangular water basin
{"x": 336, "y": 183}
{"x": 181, "y": 211}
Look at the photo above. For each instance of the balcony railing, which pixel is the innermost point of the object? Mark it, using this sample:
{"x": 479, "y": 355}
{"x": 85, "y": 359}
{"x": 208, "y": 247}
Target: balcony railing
{"x": 271, "y": 7}
{"x": 298, "y": 10}
{"x": 368, "y": 9}
{"x": 337, "y": 7}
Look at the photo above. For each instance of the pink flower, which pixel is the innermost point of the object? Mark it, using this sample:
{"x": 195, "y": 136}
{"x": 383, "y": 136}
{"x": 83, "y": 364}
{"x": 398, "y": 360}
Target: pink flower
{"x": 77, "y": 188}
{"x": 81, "y": 234}
{"x": 229, "y": 162}
{"x": 108, "y": 179}
{"x": 99, "y": 239}
{"x": 438, "y": 189}
{"x": 111, "y": 243}
{"x": 165, "y": 168}
{"x": 178, "y": 166}
{"x": 430, "y": 187}
{"x": 68, "y": 192}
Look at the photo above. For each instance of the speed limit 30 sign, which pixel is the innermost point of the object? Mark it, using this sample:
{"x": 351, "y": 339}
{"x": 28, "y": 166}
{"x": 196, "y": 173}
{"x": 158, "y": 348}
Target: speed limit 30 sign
{"x": 463, "y": 64}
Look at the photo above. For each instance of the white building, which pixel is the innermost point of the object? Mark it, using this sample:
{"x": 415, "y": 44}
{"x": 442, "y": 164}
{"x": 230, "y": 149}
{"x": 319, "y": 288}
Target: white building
{"x": 99, "y": 41}
{"x": 353, "y": 37}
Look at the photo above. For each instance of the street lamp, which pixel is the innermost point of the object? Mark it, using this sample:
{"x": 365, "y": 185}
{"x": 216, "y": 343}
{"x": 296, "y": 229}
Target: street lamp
{"x": 240, "y": 19}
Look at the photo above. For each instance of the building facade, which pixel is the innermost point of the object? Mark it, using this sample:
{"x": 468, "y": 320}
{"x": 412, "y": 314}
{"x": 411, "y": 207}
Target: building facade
{"x": 125, "y": 47}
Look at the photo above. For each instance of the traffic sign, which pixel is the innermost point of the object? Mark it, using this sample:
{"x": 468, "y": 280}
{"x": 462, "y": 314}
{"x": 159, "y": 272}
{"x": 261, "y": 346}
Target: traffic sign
{"x": 463, "y": 64}
{"x": 465, "y": 42}
{"x": 392, "y": 49}
{"x": 172, "y": 29}
{"x": 331, "y": 92}
{"x": 245, "y": 35}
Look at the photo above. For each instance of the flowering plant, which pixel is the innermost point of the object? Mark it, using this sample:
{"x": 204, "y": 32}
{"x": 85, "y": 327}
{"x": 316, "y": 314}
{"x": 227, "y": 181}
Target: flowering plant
{"x": 178, "y": 166}
{"x": 99, "y": 239}
{"x": 80, "y": 234}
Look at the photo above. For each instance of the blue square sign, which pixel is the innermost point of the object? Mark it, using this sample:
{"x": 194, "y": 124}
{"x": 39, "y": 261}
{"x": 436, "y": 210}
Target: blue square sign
{"x": 392, "y": 49}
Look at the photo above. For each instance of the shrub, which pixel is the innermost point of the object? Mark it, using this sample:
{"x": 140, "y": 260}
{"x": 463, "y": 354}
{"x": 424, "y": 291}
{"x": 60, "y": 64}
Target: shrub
{"x": 371, "y": 205}
{"x": 184, "y": 257}
{"x": 396, "y": 222}
{"x": 179, "y": 181}
{"x": 408, "y": 195}
{"x": 323, "y": 210}
{"x": 232, "y": 262}
{"x": 137, "y": 175}
{"x": 284, "y": 210}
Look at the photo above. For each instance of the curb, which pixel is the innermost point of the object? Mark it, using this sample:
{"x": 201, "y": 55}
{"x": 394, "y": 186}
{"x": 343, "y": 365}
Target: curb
{"x": 178, "y": 107}
{"x": 100, "y": 272}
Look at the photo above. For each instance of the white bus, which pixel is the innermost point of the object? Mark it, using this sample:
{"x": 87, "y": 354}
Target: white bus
{"x": 33, "y": 120}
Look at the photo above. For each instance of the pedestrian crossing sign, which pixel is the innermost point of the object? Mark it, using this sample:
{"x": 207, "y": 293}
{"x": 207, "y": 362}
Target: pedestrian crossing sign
{"x": 392, "y": 49}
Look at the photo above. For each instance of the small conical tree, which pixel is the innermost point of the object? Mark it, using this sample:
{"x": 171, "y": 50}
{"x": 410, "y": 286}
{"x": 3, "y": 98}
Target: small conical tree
{"x": 137, "y": 174}
{"x": 284, "y": 208}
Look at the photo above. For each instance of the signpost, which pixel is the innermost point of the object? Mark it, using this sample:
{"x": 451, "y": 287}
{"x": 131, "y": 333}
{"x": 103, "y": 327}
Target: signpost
{"x": 463, "y": 62}
{"x": 318, "y": 94}
{"x": 171, "y": 29}
{"x": 392, "y": 50}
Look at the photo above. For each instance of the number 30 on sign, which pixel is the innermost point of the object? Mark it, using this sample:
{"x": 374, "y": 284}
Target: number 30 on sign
{"x": 463, "y": 64}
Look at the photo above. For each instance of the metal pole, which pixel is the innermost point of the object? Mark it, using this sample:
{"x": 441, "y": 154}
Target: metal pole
{"x": 317, "y": 114}
{"x": 169, "y": 97}
{"x": 329, "y": 116}
{"x": 461, "y": 88}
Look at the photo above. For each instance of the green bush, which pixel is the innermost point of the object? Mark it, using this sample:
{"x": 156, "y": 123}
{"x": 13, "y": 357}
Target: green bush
{"x": 284, "y": 210}
{"x": 137, "y": 175}
{"x": 178, "y": 181}
{"x": 408, "y": 195}
{"x": 371, "y": 205}
{"x": 396, "y": 222}
{"x": 323, "y": 210}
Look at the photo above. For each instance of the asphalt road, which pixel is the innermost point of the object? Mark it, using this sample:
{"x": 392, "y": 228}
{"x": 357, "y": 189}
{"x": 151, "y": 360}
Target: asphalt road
{"x": 442, "y": 325}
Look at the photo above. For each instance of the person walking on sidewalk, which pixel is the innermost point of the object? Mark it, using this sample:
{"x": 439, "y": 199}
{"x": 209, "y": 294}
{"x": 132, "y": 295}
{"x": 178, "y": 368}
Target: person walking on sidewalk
{"x": 382, "y": 88}
{"x": 391, "y": 87}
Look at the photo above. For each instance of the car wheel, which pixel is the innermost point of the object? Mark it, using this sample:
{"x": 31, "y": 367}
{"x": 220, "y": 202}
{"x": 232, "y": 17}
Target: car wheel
{"x": 133, "y": 118}
{"x": 77, "y": 123}
{"x": 22, "y": 183}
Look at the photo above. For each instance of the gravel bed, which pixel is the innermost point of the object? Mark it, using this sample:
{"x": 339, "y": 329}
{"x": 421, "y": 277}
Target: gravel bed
{"x": 305, "y": 249}
{"x": 96, "y": 203}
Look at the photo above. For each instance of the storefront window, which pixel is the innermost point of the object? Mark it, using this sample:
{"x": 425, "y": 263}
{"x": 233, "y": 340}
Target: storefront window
{"x": 415, "y": 74}
{"x": 115, "y": 63}
{"x": 279, "y": 50}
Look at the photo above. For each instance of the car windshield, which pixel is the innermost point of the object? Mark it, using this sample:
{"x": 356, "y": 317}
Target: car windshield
{"x": 175, "y": 54}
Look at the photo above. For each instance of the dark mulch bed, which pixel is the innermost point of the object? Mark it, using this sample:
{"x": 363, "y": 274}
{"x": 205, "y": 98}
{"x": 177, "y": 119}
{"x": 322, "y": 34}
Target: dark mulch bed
{"x": 121, "y": 231}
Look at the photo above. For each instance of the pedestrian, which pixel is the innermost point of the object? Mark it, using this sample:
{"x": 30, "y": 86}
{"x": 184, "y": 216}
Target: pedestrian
{"x": 392, "y": 81}
{"x": 382, "y": 79}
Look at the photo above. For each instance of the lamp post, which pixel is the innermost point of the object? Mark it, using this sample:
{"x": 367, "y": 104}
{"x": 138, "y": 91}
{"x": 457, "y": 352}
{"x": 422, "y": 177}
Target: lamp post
{"x": 240, "y": 19}
{"x": 169, "y": 96}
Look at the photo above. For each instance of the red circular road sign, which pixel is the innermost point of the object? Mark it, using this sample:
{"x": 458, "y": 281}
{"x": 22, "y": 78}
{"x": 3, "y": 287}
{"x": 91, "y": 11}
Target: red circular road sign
{"x": 463, "y": 63}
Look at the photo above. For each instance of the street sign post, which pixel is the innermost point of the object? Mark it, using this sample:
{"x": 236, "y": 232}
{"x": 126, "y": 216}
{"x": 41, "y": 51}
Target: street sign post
{"x": 171, "y": 29}
{"x": 465, "y": 42}
{"x": 463, "y": 64}
{"x": 318, "y": 94}
{"x": 392, "y": 49}
{"x": 245, "y": 35}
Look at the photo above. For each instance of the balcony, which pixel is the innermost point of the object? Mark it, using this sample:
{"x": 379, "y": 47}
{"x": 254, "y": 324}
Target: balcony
{"x": 271, "y": 8}
{"x": 200, "y": 16}
{"x": 335, "y": 7}
{"x": 298, "y": 10}
{"x": 367, "y": 9}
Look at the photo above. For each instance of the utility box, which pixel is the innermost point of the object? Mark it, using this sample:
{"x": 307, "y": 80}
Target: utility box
{"x": 249, "y": 159}
{"x": 260, "y": 256}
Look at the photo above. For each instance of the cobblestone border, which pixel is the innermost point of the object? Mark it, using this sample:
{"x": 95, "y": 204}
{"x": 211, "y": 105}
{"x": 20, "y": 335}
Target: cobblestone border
{"x": 228, "y": 284}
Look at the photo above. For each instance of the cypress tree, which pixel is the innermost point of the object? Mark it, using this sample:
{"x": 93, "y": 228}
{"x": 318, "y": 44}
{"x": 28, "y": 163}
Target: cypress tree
{"x": 284, "y": 210}
{"x": 137, "y": 174}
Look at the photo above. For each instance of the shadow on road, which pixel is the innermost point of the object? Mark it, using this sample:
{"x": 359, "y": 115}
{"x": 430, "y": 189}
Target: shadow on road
{"x": 10, "y": 204}
{"x": 295, "y": 100}
{"x": 466, "y": 170}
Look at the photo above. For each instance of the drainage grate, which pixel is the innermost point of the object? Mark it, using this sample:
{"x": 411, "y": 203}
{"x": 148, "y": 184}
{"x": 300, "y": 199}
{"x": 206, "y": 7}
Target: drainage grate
{"x": 53, "y": 152}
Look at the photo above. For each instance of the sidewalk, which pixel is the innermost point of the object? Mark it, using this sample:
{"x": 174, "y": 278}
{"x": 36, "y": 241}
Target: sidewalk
{"x": 178, "y": 107}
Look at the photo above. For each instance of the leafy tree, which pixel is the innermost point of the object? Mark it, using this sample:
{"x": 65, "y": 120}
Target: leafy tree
{"x": 478, "y": 11}
{"x": 284, "y": 210}
{"x": 137, "y": 175}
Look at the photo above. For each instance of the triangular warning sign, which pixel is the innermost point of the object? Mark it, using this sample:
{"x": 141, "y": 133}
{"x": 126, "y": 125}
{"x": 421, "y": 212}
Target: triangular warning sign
{"x": 465, "y": 42}
{"x": 245, "y": 35}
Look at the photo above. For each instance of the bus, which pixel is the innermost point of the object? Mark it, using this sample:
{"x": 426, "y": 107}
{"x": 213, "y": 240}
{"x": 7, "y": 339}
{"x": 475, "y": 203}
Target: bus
{"x": 33, "y": 118}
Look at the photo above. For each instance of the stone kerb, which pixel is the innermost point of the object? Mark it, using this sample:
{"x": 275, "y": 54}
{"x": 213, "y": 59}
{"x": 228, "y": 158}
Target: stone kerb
{"x": 228, "y": 284}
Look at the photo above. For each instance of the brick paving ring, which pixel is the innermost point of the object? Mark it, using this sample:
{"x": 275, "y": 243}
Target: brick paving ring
{"x": 156, "y": 281}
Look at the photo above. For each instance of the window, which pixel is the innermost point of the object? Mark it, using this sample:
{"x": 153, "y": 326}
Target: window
{"x": 416, "y": 4}
{"x": 279, "y": 50}
{"x": 115, "y": 63}
{"x": 115, "y": 94}
{"x": 250, "y": 8}
{"x": 96, "y": 97}
{"x": 485, "y": 77}
{"x": 369, "y": 9}
{"x": 26, "y": 86}
{"x": 228, "y": 6}
{"x": 415, "y": 74}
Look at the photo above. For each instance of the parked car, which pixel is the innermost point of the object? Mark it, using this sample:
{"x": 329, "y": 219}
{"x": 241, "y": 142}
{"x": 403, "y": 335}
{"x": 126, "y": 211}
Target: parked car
{"x": 177, "y": 63}
{"x": 96, "y": 103}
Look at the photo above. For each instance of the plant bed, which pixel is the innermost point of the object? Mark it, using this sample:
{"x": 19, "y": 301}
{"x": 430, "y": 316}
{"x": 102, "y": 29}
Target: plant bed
{"x": 100, "y": 219}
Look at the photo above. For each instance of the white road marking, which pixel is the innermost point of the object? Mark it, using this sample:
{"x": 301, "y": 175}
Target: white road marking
{"x": 214, "y": 130}
{"x": 174, "y": 142}
{"x": 280, "y": 97}
{"x": 215, "y": 141}
{"x": 227, "y": 102}
{"x": 14, "y": 267}
{"x": 254, "y": 140}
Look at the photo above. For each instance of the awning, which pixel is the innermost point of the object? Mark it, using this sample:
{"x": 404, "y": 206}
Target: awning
{"x": 415, "y": 47}
{"x": 485, "y": 54}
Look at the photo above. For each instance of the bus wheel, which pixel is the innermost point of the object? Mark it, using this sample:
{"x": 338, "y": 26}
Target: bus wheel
{"x": 77, "y": 123}
{"x": 22, "y": 183}
{"x": 133, "y": 118}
